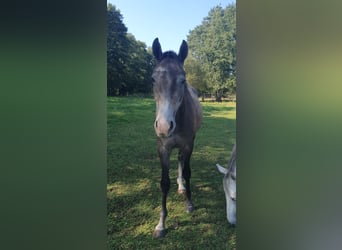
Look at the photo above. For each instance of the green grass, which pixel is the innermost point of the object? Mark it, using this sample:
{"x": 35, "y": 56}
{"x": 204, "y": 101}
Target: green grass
{"x": 133, "y": 192}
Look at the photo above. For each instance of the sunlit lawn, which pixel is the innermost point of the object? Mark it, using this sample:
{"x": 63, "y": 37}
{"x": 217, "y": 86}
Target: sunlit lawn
{"x": 133, "y": 192}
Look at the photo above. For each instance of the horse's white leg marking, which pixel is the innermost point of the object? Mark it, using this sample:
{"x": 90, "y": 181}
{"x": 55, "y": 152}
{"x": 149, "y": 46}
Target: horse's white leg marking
{"x": 181, "y": 188}
{"x": 161, "y": 224}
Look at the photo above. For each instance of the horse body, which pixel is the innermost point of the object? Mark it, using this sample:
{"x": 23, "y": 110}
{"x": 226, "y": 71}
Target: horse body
{"x": 178, "y": 117}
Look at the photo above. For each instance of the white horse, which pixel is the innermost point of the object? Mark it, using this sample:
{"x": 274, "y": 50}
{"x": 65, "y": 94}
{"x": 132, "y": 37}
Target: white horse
{"x": 229, "y": 186}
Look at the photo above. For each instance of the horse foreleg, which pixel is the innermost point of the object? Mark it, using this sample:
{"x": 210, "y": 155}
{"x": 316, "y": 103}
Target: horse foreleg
{"x": 187, "y": 175}
{"x": 181, "y": 188}
{"x": 160, "y": 229}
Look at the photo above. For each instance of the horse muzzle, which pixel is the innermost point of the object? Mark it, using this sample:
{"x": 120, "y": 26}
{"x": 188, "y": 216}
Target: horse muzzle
{"x": 164, "y": 128}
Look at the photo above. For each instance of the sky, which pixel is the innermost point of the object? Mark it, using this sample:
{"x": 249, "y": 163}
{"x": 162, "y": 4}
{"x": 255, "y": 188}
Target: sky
{"x": 170, "y": 21}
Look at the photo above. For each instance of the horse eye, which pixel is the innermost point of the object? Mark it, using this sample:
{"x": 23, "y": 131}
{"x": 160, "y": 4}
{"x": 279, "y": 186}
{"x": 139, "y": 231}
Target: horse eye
{"x": 153, "y": 81}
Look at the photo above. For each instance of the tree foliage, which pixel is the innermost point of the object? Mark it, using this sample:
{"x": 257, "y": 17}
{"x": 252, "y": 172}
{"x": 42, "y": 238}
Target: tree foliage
{"x": 195, "y": 74}
{"x": 129, "y": 65}
{"x": 213, "y": 46}
{"x": 210, "y": 66}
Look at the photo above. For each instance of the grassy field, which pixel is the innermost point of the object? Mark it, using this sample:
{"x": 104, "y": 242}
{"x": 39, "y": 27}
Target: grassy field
{"x": 133, "y": 192}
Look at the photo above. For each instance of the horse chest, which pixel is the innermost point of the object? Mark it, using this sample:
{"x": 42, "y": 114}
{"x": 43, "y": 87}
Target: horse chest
{"x": 175, "y": 141}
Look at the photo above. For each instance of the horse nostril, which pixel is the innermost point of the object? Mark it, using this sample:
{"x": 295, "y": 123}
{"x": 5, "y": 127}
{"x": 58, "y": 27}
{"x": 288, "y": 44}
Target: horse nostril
{"x": 156, "y": 124}
{"x": 171, "y": 126}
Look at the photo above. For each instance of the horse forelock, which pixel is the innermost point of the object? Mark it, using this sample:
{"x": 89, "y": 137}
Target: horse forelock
{"x": 170, "y": 63}
{"x": 169, "y": 54}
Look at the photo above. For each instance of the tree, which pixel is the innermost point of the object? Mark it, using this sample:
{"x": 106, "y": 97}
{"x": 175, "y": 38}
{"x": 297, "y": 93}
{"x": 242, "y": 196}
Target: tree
{"x": 195, "y": 74}
{"x": 117, "y": 53}
{"x": 213, "y": 45}
{"x": 139, "y": 67}
{"x": 129, "y": 65}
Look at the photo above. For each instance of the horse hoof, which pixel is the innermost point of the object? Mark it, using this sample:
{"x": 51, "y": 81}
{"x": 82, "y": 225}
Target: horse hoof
{"x": 159, "y": 233}
{"x": 181, "y": 191}
{"x": 190, "y": 208}
{"x": 232, "y": 225}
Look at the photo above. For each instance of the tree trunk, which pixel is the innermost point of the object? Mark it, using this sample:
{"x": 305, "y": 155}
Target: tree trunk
{"x": 218, "y": 96}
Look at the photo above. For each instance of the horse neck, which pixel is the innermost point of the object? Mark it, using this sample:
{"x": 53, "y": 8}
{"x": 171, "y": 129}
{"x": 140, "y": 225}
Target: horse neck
{"x": 185, "y": 110}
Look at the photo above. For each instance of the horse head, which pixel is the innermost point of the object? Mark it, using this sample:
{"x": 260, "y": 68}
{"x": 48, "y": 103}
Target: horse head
{"x": 169, "y": 83}
{"x": 229, "y": 186}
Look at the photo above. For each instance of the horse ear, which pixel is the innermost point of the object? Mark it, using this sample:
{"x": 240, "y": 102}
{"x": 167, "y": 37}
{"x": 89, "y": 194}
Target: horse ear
{"x": 156, "y": 49}
{"x": 221, "y": 169}
{"x": 183, "y": 51}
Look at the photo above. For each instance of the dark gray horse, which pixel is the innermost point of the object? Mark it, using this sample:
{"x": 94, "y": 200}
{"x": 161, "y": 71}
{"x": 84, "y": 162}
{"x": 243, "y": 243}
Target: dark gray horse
{"x": 178, "y": 117}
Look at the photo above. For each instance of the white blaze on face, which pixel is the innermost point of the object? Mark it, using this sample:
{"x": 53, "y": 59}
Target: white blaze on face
{"x": 165, "y": 122}
{"x": 168, "y": 92}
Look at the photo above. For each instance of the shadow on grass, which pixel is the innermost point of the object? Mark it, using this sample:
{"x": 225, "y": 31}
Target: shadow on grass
{"x": 134, "y": 171}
